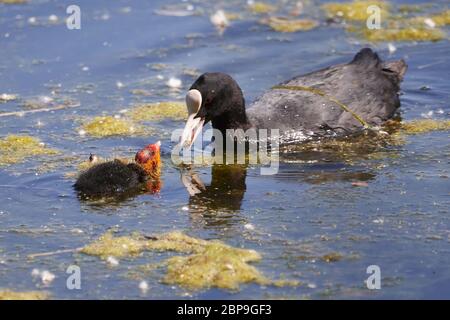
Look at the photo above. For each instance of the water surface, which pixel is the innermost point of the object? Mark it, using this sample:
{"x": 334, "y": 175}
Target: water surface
{"x": 399, "y": 221}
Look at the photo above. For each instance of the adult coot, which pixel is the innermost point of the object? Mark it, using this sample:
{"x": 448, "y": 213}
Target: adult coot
{"x": 338, "y": 100}
{"x": 116, "y": 177}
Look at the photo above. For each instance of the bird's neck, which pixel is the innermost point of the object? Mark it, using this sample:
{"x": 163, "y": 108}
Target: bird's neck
{"x": 231, "y": 120}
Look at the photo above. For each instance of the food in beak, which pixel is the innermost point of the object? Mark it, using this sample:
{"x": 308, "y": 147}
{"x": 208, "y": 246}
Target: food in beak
{"x": 193, "y": 125}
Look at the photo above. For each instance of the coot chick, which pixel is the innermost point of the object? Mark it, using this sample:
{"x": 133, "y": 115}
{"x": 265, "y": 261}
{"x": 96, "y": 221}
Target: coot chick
{"x": 116, "y": 177}
{"x": 338, "y": 100}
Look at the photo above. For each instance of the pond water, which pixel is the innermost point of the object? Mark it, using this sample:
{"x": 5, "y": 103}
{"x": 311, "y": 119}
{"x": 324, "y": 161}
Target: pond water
{"x": 397, "y": 217}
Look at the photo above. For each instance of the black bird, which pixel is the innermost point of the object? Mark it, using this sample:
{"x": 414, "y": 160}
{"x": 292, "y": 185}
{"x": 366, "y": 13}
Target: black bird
{"x": 115, "y": 178}
{"x": 338, "y": 100}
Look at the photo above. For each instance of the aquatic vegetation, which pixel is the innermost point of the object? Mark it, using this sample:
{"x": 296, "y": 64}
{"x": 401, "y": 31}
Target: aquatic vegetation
{"x": 441, "y": 19}
{"x": 159, "y": 111}
{"x": 425, "y": 126}
{"x": 369, "y": 144}
{"x": 261, "y": 8}
{"x": 400, "y": 27}
{"x": 404, "y": 34}
{"x": 217, "y": 265}
{"x": 409, "y": 8}
{"x": 208, "y": 263}
{"x": 109, "y": 246}
{"x": 332, "y": 257}
{"x": 13, "y": 1}
{"x": 5, "y": 97}
{"x": 435, "y": 20}
{"x": 282, "y": 24}
{"x": 104, "y": 126}
{"x": 15, "y": 149}
{"x": 24, "y": 295}
{"x": 356, "y": 10}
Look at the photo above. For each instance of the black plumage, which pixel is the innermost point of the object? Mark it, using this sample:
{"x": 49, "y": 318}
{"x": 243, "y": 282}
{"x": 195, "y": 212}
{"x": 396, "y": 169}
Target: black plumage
{"x": 367, "y": 86}
{"x": 110, "y": 178}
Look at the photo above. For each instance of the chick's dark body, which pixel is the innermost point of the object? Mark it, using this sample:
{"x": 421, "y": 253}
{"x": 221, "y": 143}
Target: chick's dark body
{"x": 110, "y": 178}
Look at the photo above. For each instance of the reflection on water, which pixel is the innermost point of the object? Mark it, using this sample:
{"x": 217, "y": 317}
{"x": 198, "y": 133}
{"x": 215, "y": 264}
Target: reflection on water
{"x": 218, "y": 203}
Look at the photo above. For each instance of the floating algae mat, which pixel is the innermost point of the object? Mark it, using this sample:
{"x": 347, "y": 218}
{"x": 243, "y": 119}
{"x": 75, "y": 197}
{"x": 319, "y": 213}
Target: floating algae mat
{"x": 208, "y": 263}
{"x": 410, "y": 33}
{"x": 394, "y": 28}
{"x": 25, "y": 295}
{"x": 106, "y": 126}
{"x": 13, "y": 1}
{"x": 15, "y": 149}
{"x": 261, "y": 8}
{"x": 356, "y": 10}
{"x": 282, "y": 24}
{"x": 425, "y": 125}
{"x": 441, "y": 19}
{"x": 159, "y": 111}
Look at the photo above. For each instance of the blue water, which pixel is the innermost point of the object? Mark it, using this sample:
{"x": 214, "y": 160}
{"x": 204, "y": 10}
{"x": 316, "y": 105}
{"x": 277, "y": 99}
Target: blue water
{"x": 399, "y": 222}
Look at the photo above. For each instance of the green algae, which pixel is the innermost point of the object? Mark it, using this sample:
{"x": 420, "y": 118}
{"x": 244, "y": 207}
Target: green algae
{"x": 13, "y": 1}
{"x": 109, "y": 246}
{"x": 105, "y": 126}
{"x": 396, "y": 27}
{"x": 216, "y": 265}
{"x": 356, "y": 10}
{"x": 207, "y": 263}
{"x": 159, "y": 111}
{"x": 15, "y": 149}
{"x": 24, "y": 295}
{"x": 441, "y": 19}
{"x": 332, "y": 257}
{"x": 404, "y": 34}
{"x": 425, "y": 126}
{"x": 281, "y": 24}
{"x": 411, "y": 8}
{"x": 261, "y": 8}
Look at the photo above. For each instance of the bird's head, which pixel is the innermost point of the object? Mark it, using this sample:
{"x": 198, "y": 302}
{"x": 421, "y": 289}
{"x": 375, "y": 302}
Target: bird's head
{"x": 149, "y": 158}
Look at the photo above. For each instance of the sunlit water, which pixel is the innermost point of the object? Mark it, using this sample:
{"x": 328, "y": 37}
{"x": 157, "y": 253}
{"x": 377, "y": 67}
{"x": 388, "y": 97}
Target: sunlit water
{"x": 399, "y": 222}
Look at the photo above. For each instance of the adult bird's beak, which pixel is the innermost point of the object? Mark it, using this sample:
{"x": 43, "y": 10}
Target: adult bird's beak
{"x": 194, "y": 123}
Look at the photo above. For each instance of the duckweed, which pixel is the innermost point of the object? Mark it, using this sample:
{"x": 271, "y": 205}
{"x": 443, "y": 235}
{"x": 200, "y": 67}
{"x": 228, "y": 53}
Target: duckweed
{"x": 261, "y": 8}
{"x": 356, "y": 10}
{"x": 105, "y": 126}
{"x": 282, "y": 24}
{"x": 425, "y": 125}
{"x": 208, "y": 263}
{"x": 159, "y": 111}
{"x": 15, "y": 149}
{"x": 25, "y": 295}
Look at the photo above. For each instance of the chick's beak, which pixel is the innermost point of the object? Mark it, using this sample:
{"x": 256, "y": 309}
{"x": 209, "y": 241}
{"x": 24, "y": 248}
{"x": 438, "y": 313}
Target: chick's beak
{"x": 195, "y": 121}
